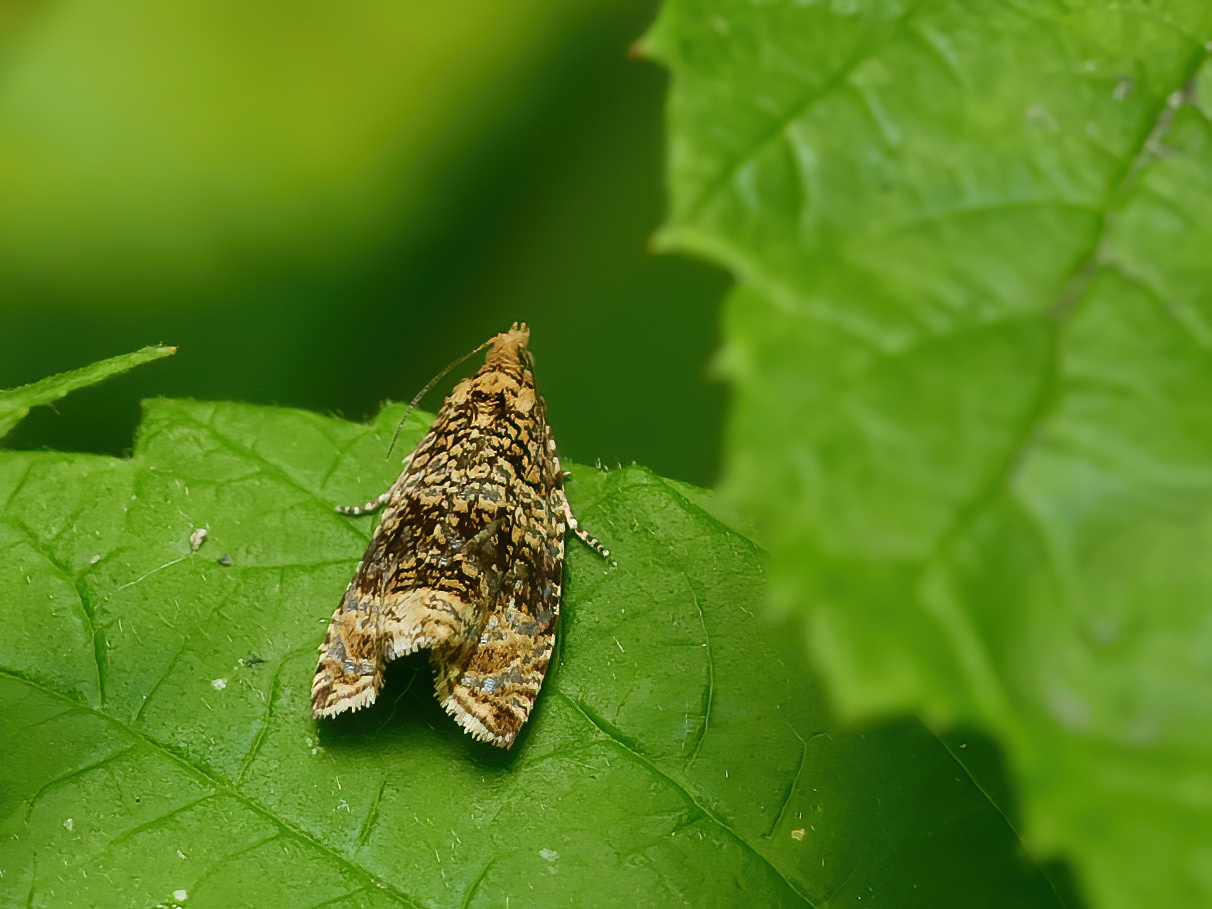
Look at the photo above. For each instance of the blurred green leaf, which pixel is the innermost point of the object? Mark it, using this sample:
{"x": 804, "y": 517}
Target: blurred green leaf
{"x": 275, "y": 187}
{"x": 970, "y": 351}
{"x": 156, "y": 748}
{"x": 161, "y": 149}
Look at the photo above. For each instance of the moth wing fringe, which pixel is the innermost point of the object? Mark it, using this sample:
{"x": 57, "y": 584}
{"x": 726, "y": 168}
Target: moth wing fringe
{"x": 363, "y": 697}
{"x": 473, "y": 726}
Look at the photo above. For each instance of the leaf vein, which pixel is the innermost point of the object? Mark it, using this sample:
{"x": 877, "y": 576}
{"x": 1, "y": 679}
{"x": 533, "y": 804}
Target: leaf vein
{"x": 168, "y": 669}
{"x": 266, "y": 467}
{"x": 625, "y": 748}
{"x": 372, "y": 818}
{"x": 158, "y": 822}
{"x": 86, "y": 609}
{"x": 791, "y": 786}
{"x": 779, "y": 125}
{"x": 709, "y": 694}
{"x": 220, "y": 785}
{"x": 68, "y": 777}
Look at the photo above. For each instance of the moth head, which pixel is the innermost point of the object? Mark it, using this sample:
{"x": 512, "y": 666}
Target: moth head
{"x": 509, "y": 348}
{"x": 504, "y": 383}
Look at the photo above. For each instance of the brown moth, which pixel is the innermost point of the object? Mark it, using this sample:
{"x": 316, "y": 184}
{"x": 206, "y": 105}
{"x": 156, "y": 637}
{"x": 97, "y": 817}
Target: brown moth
{"x": 467, "y": 560}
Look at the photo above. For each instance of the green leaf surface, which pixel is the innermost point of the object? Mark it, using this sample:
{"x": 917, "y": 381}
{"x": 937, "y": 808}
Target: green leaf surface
{"x": 156, "y": 747}
{"x": 971, "y": 352}
{"x": 16, "y": 402}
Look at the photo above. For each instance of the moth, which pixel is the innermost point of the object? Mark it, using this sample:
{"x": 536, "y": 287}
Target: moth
{"x": 467, "y": 560}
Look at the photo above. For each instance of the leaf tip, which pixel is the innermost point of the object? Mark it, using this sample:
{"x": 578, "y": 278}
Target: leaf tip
{"x": 664, "y": 240}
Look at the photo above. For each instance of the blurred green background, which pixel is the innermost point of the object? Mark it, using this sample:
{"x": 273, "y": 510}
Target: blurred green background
{"x": 323, "y": 204}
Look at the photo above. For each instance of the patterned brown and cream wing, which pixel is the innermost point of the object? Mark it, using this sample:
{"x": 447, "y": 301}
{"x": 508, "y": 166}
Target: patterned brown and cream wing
{"x": 446, "y": 571}
{"x": 419, "y": 585}
{"x": 490, "y": 684}
{"x": 350, "y": 670}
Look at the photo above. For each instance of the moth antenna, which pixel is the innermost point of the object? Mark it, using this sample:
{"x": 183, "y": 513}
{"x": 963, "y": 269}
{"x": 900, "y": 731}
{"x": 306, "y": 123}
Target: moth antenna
{"x": 424, "y": 391}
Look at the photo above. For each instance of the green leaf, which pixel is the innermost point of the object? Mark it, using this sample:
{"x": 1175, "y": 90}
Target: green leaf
{"x": 971, "y": 350}
{"x": 15, "y": 403}
{"x": 155, "y": 737}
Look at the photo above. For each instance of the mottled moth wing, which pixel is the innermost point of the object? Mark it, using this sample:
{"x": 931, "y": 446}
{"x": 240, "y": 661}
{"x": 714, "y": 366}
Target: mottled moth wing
{"x": 350, "y": 672}
{"x": 467, "y": 560}
{"x": 410, "y": 592}
{"x": 490, "y": 684}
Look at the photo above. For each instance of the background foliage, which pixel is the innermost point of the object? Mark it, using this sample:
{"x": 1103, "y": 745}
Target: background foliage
{"x": 970, "y": 353}
{"x": 323, "y": 207}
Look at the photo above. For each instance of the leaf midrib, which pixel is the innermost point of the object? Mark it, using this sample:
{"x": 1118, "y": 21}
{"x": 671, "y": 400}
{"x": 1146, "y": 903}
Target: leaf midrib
{"x": 223, "y": 787}
{"x": 969, "y": 513}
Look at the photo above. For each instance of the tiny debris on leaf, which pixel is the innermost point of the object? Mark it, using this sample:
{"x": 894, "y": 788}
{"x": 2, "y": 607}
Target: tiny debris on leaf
{"x": 197, "y": 538}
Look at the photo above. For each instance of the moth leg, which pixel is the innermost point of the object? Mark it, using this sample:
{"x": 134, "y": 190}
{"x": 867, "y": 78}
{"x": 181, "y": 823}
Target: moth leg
{"x": 372, "y": 506}
{"x": 578, "y": 531}
{"x": 350, "y": 671}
